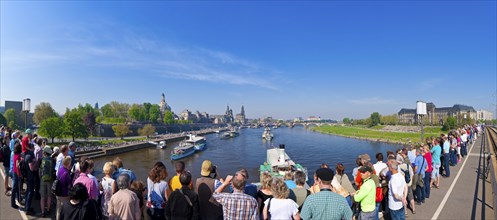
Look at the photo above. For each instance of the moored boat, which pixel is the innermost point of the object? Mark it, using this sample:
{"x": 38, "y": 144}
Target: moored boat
{"x": 162, "y": 144}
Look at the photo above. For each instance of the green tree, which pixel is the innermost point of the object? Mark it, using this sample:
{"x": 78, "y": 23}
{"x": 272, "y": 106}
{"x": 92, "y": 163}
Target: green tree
{"x": 168, "y": 117}
{"x": 121, "y": 130}
{"x": 137, "y": 112}
{"x": 390, "y": 119}
{"x": 12, "y": 118}
{"x": 74, "y": 125}
{"x": 346, "y": 120}
{"x": 43, "y": 111}
{"x": 147, "y": 130}
{"x": 154, "y": 113}
{"x": 146, "y": 109}
{"x": 107, "y": 111}
{"x": 3, "y": 120}
{"x": 52, "y": 127}
{"x": 375, "y": 119}
{"x": 450, "y": 124}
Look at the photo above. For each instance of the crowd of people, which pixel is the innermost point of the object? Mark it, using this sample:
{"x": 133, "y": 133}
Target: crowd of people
{"x": 393, "y": 186}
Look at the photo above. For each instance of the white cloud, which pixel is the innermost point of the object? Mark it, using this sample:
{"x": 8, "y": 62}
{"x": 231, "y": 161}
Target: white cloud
{"x": 111, "y": 46}
{"x": 428, "y": 84}
{"x": 372, "y": 101}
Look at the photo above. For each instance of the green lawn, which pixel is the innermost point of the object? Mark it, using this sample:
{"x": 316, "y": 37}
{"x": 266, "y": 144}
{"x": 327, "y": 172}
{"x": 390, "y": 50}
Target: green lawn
{"x": 375, "y": 133}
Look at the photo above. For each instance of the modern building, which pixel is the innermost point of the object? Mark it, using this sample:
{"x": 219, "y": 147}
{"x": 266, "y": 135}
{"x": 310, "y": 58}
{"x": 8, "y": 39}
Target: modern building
{"x": 20, "y": 116}
{"x": 2, "y": 109}
{"x": 484, "y": 115}
{"x": 437, "y": 116}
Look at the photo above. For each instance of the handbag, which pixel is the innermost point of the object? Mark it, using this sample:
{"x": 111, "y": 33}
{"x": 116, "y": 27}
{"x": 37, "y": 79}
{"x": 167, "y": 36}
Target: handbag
{"x": 379, "y": 194}
{"x": 420, "y": 182}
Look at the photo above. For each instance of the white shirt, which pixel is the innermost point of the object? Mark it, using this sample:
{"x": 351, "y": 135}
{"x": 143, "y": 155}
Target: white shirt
{"x": 58, "y": 162}
{"x": 379, "y": 166}
{"x": 396, "y": 186}
{"x": 282, "y": 208}
{"x": 159, "y": 188}
{"x": 464, "y": 137}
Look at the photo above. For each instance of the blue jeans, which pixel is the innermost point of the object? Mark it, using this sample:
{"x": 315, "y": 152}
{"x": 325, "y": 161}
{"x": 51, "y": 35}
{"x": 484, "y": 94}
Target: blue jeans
{"x": 30, "y": 192}
{"x": 446, "y": 164}
{"x": 367, "y": 215}
{"x": 464, "y": 150}
{"x": 398, "y": 214}
{"x": 15, "y": 190}
{"x": 377, "y": 210}
{"x": 420, "y": 192}
{"x": 453, "y": 157}
{"x": 427, "y": 180}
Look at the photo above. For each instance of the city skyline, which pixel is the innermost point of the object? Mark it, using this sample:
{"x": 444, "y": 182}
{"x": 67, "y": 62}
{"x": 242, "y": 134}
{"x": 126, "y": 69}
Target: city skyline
{"x": 279, "y": 59}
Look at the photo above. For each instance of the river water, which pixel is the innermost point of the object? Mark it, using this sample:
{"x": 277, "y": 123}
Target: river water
{"x": 248, "y": 151}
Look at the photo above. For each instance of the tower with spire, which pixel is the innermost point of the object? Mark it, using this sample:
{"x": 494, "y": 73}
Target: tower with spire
{"x": 240, "y": 118}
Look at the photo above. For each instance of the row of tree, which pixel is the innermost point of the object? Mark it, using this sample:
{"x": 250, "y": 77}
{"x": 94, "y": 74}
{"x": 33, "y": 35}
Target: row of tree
{"x": 375, "y": 118}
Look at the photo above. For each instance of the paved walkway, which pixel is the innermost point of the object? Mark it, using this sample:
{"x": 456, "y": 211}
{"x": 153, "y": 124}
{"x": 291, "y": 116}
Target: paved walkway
{"x": 7, "y": 213}
{"x": 456, "y": 196}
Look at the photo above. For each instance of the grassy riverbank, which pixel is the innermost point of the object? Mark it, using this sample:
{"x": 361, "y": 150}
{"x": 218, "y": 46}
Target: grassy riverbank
{"x": 376, "y": 134}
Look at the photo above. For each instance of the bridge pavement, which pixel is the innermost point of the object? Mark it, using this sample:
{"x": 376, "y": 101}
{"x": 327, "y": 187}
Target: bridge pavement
{"x": 459, "y": 194}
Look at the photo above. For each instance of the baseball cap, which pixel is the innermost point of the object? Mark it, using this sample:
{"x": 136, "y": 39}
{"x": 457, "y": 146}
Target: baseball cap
{"x": 364, "y": 169}
{"x": 47, "y": 149}
{"x": 206, "y": 168}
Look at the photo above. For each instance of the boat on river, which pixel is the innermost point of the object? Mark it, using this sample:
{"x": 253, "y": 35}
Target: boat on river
{"x": 278, "y": 163}
{"x": 184, "y": 149}
{"x": 230, "y": 134}
{"x": 162, "y": 144}
{"x": 267, "y": 134}
{"x": 198, "y": 142}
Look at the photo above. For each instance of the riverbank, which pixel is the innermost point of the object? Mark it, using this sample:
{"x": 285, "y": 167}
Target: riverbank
{"x": 395, "y": 136}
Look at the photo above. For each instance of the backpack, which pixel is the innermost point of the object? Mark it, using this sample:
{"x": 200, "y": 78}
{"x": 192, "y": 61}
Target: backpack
{"x": 5, "y": 154}
{"x": 46, "y": 169}
{"x": 23, "y": 166}
{"x": 56, "y": 188}
{"x": 407, "y": 175}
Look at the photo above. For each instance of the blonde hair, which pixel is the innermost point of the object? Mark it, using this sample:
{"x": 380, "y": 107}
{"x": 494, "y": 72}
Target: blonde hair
{"x": 66, "y": 161}
{"x": 266, "y": 180}
{"x": 279, "y": 189}
{"x": 108, "y": 169}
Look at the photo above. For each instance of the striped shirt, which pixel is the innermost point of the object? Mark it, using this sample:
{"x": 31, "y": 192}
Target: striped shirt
{"x": 326, "y": 205}
{"x": 237, "y": 205}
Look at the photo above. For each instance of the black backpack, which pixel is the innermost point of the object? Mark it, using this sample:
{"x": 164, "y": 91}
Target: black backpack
{"x": 23, "y": 166}
{"x": 5, "y": 154}
{"x": 407, "y": 175}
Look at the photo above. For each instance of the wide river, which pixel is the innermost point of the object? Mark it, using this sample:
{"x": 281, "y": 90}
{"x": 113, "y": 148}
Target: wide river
{"x": 248, "y": 151}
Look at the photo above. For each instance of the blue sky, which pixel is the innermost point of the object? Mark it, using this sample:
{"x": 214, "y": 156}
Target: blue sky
{"x": 284, "y": 59}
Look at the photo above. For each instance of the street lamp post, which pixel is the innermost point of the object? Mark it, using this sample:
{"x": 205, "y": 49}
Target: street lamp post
{"x": 26, "y": 107}
{"x": 421, "y": 111}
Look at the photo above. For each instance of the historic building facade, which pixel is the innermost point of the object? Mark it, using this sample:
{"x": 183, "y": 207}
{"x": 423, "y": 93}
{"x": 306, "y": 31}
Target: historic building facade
{"x": 437, "y": 116}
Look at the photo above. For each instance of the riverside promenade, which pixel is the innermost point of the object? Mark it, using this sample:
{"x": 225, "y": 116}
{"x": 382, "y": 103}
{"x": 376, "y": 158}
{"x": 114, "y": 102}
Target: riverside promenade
{"x": 460, "y": 196}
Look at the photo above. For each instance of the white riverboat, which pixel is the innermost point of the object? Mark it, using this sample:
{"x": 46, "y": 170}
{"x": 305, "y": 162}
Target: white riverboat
{"x": 267, "y": 135}
{"x": 278, "y": 163}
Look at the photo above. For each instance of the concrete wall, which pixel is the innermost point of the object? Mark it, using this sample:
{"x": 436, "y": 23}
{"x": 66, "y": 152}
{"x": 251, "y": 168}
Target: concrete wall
{"x": 106, "y": 130}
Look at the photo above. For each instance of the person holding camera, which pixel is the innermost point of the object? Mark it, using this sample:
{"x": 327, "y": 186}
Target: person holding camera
{"x": 205, "y": 186}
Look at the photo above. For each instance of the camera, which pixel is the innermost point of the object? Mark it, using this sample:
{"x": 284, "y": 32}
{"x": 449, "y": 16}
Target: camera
{"x": 213, "y": 173}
